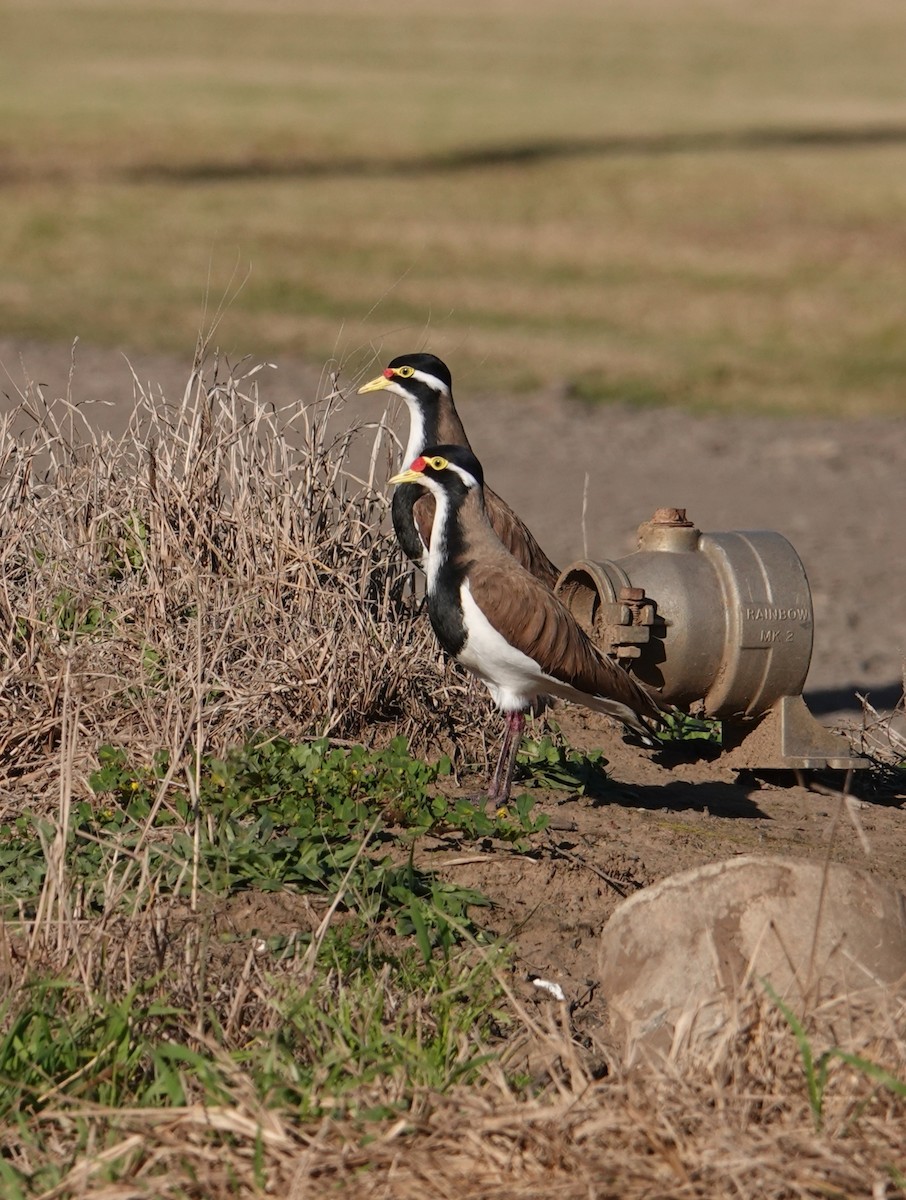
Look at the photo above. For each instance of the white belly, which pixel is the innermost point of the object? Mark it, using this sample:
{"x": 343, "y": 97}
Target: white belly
{"x": 512, "y": 678}
{"x": 515, "y": 680}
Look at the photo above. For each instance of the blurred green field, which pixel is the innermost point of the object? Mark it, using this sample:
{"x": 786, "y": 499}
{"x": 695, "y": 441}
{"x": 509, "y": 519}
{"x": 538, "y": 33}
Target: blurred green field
{"x": 699, "y": 203}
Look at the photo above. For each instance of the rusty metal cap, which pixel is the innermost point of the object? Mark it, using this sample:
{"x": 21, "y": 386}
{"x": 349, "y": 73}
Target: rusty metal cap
{"x": 670, "y": 516}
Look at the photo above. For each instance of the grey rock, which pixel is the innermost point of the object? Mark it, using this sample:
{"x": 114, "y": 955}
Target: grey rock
{"x": 675, "y": 960}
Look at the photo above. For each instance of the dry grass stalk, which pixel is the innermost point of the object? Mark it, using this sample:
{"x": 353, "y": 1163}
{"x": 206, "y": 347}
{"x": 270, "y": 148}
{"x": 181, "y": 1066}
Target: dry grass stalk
{"x": 741, "y": 1128}
{"x": 884, "y": 734}
{"x": 213, "y": 572}
{"x": 216, "y": 571}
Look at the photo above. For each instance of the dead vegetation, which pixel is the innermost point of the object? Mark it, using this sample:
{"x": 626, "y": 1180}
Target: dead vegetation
{"x": 213, "y": 573}
{"x": 740, "y": 1126}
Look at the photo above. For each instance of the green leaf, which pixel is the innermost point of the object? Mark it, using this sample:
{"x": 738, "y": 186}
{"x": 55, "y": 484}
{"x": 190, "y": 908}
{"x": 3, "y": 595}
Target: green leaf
{"x": 420, "y": 928}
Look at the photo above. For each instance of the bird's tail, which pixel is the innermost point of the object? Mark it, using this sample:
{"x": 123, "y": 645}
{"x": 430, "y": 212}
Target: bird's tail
{"x": 640, "y": 723}
{"x": 646, "y": 715}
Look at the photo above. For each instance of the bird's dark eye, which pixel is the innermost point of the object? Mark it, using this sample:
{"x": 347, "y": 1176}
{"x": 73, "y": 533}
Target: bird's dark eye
{"x": 405, "y": 372}
{"x": 437, "y": 463}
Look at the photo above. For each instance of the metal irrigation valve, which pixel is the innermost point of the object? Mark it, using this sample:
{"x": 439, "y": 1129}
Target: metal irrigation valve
{"x": 721, "y": 622}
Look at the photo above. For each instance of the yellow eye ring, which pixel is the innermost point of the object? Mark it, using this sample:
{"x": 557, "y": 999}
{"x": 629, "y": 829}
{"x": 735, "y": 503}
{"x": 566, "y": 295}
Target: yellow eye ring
{"x": 405, "y": 372}
{"x": 437, "y": 463}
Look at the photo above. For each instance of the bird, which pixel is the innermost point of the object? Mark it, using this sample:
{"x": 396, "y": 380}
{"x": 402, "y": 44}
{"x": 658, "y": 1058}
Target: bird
{"x": 502, "y": 624}
{"x": 425, "y": 383}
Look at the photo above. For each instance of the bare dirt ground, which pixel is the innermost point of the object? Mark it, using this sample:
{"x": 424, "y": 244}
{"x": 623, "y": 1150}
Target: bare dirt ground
{"x": 836, "y": 489}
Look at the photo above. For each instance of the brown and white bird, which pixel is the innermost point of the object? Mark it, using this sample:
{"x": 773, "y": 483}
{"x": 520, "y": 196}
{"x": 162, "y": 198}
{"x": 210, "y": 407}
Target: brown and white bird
{"x": 425, "y": 383}
{"x": 503, "y": 624}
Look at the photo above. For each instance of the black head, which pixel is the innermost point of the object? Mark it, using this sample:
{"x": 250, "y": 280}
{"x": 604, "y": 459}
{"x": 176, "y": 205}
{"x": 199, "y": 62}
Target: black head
{"x": 420, "y": 377}
{"x": 425, "y": 364}
{"x": 452, "y": 468}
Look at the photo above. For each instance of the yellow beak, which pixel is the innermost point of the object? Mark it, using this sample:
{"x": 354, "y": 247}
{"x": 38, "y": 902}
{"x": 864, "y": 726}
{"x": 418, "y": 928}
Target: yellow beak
{"x": 407, "y": 476}
{"x": 375, "y": 385}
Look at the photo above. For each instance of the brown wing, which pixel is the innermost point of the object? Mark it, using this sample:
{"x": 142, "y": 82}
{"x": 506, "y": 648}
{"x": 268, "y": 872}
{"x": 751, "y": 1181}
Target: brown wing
{"x": 537, "y": 622}
{"x": 518, "y": 539}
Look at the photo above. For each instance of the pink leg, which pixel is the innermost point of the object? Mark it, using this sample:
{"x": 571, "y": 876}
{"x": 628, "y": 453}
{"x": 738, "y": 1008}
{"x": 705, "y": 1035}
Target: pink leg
{"x": 502, "y": 779}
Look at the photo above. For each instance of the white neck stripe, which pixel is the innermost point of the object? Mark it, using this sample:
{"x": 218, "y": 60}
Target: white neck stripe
{"x": 468, "y": 479}
{"x": 437, "y": 551}
{"x": 416, "y": 443}
{"x": 431, "y": 381}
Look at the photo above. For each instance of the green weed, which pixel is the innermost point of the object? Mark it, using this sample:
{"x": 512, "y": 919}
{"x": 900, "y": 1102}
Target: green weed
{"x": 681, "y": 727}
{"x": 355, "y": 1017}
{"x": 329, "y": 1041}
{"x": 816, "y": 1069}
{"x": 129, "y": 551}
{"x": 549, "y": 763}
{"x": 514, "y": 824}
{"x": 53, "y": 1044}
{"x": 311, "y": 1047}
{"x": 269, "y": 816}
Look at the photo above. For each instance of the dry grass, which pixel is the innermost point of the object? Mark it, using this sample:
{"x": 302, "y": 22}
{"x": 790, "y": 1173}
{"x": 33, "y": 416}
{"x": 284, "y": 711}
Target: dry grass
{"x": 216, "y": 571}
{"x": 883, "y": 736}
{"x": 740, "y": 1126}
